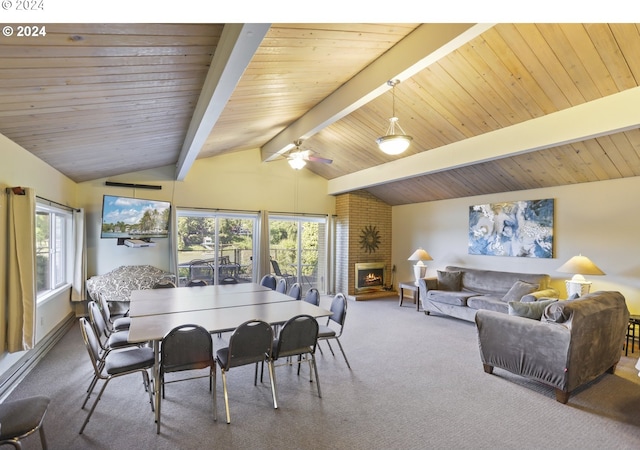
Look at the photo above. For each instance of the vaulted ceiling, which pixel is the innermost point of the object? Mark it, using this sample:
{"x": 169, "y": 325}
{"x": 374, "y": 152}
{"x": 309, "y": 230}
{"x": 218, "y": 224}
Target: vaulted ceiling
{"x": 491, "y": 108}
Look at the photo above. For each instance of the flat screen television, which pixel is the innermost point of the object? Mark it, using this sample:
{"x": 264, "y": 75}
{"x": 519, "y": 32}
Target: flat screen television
{"x": 126, "y": 217}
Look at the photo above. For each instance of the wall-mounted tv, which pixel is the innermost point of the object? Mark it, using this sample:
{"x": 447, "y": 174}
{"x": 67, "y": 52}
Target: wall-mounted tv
{"x": 126, "y": 217}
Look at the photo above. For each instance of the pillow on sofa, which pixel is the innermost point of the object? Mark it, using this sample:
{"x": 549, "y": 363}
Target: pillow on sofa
{"x": 449, "y": 281}
{"x": 518, "y": 290}
{"x": 531, "y": 310}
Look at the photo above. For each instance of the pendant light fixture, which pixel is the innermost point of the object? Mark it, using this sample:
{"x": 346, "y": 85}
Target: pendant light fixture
{"x": 392, "y": 143}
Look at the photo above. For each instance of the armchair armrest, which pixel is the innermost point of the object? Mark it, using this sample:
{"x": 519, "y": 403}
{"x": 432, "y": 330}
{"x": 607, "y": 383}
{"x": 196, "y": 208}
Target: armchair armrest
{"x": 425, "y": 284}
{"x": 523, "y": 346}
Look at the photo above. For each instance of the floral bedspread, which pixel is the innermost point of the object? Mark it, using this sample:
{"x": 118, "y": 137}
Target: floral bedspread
{"x": 116, "y": 286}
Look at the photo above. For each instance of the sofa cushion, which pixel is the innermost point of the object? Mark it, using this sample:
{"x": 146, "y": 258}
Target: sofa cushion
{"x": 449, "y": 297}
{"x": 518, "y": 290}
{"x": 489, "y": 302}
{"x": 530, "y": 310}
{"x": 449, "y": 281}
{"x": 494, "y": 282}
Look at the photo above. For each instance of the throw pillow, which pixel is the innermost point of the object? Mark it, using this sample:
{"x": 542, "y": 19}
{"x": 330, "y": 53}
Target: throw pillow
{"x": 518, "y": 290}
{"x": 532, "y": 310}
{"x": 449, "y": 281}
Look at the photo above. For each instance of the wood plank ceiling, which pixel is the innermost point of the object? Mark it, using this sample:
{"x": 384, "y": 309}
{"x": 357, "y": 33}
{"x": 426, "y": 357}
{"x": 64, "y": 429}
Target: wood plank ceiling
{"x": 98, "y": 100}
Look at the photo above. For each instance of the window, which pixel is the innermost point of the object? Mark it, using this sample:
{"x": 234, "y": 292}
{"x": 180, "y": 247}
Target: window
{"x": 53, "y": 248}
{"x": 299, "y": 246}
{"x": 214, "y": 242}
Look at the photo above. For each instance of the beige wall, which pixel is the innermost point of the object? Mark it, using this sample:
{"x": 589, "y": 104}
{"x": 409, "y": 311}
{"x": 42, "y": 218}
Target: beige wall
{"x": 599, "y": 220}
{"x": 237, "y": 181}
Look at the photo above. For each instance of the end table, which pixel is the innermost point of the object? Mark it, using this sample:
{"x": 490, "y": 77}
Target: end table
{"x": 409, "y": 286}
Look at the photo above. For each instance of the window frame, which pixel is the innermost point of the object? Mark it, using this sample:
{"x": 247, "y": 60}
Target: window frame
{"x": 60, "y": 251}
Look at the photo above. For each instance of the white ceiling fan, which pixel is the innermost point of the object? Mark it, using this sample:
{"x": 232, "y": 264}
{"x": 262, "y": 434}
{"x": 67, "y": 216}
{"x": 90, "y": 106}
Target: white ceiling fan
{"x": 298, "y": 158}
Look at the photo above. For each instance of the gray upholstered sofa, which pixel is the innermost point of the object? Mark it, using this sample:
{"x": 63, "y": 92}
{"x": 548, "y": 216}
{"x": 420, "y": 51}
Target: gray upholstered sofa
{"x": 573, "y": 343}
{"x": 460, "y": 292}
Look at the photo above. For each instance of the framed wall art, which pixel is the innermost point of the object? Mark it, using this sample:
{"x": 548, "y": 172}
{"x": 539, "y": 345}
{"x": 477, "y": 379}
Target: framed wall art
{"x": 522, "y": 228}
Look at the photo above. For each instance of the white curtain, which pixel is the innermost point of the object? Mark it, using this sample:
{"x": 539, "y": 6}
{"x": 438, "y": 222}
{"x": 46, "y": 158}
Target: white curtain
{"x": 18, "y": 312}
{"x": 264, "y": 263}
{"x": 78, "y": 291}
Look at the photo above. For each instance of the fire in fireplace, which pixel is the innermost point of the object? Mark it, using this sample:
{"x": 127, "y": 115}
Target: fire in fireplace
{"x": 369, "y": 277}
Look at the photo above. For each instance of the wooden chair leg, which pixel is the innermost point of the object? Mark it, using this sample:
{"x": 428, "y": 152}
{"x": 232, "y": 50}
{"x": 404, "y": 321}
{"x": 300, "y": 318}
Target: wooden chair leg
{"x": 487, "y": 368}
{"x": 562, "y": 396}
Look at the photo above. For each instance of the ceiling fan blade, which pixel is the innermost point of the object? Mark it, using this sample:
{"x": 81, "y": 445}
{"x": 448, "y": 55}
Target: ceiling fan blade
{"x": 320, "y": 160}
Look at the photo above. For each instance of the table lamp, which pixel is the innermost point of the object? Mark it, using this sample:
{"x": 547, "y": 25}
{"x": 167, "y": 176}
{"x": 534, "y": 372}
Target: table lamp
{"x": 579, "y": 266}
{"x": 419, "y": 269}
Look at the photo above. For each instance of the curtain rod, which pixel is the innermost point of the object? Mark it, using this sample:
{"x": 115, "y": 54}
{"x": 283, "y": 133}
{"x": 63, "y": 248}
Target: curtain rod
{"x": 281, "y": 213}
{"x": 199, "y": 208}
{"x": 56, "y": 203}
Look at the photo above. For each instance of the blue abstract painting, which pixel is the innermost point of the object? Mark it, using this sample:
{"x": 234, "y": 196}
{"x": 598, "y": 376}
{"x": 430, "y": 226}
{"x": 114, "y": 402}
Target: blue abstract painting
{"x": 522, "y": 228}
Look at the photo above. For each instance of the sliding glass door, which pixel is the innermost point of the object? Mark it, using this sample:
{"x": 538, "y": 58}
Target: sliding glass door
{"x": 298, "y": 250}
{"x": 217, "y": 247}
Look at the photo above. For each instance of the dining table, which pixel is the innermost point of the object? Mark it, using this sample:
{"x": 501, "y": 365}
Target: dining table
{"x": 217, "y": 308}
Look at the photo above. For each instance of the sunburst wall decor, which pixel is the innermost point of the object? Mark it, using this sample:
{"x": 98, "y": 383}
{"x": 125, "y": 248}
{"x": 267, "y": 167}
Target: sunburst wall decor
{"x": 369, "y": 239}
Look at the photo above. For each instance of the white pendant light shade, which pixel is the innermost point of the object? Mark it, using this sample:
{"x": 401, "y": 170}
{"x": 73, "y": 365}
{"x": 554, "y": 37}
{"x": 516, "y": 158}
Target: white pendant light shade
{"x": 394, "y": 142}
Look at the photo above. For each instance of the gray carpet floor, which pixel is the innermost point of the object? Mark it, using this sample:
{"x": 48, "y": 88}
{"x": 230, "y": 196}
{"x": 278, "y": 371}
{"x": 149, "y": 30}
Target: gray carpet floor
{"x": 416, "y": 383}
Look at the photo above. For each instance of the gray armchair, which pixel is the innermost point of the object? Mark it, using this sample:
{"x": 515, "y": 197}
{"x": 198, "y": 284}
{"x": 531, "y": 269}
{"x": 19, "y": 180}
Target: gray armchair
{"x": 573, "y": 343}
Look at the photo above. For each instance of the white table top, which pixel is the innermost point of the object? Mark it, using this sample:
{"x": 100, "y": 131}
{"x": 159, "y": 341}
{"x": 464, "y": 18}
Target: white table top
{"x": 166, "y": 301}
{"x": 155, "y": 327}
{"x": 155, "y": 294}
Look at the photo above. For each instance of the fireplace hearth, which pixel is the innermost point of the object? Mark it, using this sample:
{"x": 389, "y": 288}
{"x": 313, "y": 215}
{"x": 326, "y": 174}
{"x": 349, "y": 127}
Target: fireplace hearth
{"x": 369, "y": 277}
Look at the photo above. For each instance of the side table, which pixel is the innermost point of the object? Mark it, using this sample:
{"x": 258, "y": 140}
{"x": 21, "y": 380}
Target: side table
{"x": 634, "y": 321}
{"x": 409, "y": 286}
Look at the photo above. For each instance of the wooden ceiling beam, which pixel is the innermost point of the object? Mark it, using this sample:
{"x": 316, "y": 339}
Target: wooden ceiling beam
{"x": 238, "y": 43}
{"x": 601, "y": 117}
{"x": 425, "y": 45}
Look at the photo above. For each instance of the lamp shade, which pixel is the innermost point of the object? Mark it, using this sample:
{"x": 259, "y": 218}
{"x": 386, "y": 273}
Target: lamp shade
{"x": 420, "y": 255}
{"x": 580, "y": 265}
{"x": 394, "y": 144}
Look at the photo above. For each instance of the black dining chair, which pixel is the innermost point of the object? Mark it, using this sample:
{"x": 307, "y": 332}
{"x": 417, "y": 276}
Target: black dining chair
{"x": 281, "y": 286}
{"x": 295, "y": 291}
{"x": 114, "y": 364}
{"x": 186, "y": 348}
{"x": 250, "y": 343}
{"x": 269, "y": 281}
{"x": 20, "y": 418}
{"x": 335, "y": 320}
{"x": 312, "y": 296}
{"x": 114, "y": 324}
{"x": 164, "y": 284}
{"x": 298, "y": 337}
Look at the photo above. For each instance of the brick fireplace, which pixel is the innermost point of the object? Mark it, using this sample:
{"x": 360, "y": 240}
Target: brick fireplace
{"x": 360, "y": 214}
